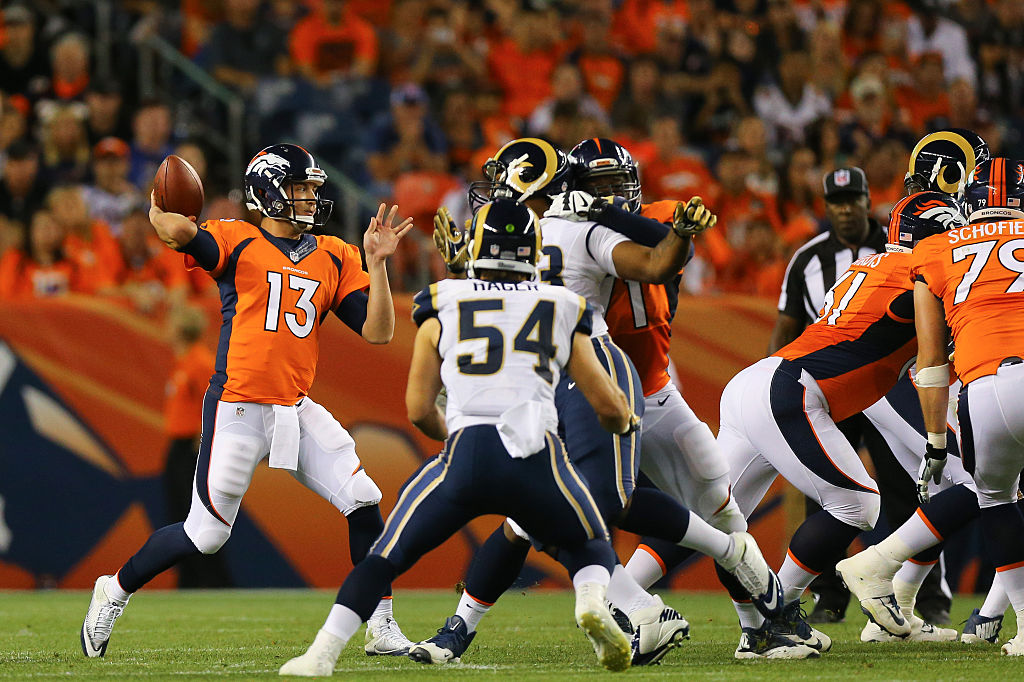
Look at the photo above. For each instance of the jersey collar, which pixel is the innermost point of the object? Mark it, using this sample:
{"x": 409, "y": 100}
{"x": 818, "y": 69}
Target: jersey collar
{"x": 294, "y": 249}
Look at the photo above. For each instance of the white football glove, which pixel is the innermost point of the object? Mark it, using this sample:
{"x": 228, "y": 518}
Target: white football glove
{"x": 931, "y": 470}
{"x": 574, "y": 205}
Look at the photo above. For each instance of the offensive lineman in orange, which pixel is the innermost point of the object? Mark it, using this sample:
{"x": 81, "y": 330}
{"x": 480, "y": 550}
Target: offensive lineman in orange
{"x": 277, "y": 283}
{"x": 972, "y": 279}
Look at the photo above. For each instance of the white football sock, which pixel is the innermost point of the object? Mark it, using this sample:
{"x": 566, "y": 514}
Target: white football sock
{"x": 996, "y": 601}
{"x": 471, "y": 611}
{"x": 114, "y": 590}
{"x": 749, "y": 616}
{"x": 907, "y": 582}
{"x": 795, "y": 578}
{"x": 382, "y": 611}
{"x": 705, "y": 538}
{"x": 593, "y": 573}
{"x": 1012, "y": 580}
{"x": 342, "y": 622}
{"x": 915, "y": 535}
{"x": 645, "y": 566}
{"x": 626, "y": 593}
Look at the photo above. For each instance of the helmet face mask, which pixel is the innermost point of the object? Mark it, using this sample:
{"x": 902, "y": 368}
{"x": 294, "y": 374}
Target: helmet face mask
{"x": 522, "y": 169}
{"x": 921, "y": 215}
{"x": 270, "y": 180}
{"x": 604, "y": 168}
{"x": 504, "y": 236}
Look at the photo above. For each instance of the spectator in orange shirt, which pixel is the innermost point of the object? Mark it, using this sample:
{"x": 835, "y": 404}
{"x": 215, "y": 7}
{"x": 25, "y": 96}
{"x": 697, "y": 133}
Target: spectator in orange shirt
{"x": 799, "y": 201}
{"x": 674, "y": 170}
{"x": 567, "y": 87}
{"x": 531, "y": 50}
{"x": 861, "y": 28}
{"x": 643, "y": 99}
{"x": 332, "y": 43}
{"x": 885, "y": 171}
{"x": 87, "y": 241}
{"x": 150, "y": 276}
{"x": 183, "y": 422}
{"x": 598, "y": 61}
{"x": 39, "y": 269}
{"x": 638, "y": 22}
{"x": 70, "y": 59}
{"x": 737, "y": 205}
{"x": 925, "y": 100}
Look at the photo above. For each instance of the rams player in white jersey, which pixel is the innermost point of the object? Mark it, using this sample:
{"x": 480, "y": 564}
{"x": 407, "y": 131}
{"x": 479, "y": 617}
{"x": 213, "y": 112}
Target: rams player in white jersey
{"x": 585, "y": 257}
{"x": 498, "y": 343}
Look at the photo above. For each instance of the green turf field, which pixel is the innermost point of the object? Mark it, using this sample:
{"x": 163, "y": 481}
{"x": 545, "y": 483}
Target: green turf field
{"x": 248, "y": 634}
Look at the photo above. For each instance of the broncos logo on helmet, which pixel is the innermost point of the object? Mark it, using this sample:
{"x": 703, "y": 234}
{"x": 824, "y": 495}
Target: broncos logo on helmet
{"x": 522, "y": 169}
{"x": 942, "y": 161}
{"x": 921, "y": 215}
{"x": 269, "y": 176}
{"x": 991, "y": 193}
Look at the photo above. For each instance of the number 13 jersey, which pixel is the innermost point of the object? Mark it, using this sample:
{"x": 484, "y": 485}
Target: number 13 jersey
{"x": 864, "y": 337}
{"x": 274, "y": 295}
{"x": 502, "y": 345}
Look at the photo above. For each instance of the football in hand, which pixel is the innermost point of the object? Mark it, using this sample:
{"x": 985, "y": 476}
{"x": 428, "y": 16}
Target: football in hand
{"x": 177, "y": 188}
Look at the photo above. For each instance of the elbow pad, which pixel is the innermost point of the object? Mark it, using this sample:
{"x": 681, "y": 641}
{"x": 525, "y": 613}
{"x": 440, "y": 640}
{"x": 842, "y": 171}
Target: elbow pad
{"x": 932, "y": 377}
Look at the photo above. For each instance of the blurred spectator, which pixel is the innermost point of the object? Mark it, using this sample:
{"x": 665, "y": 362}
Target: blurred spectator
{"x": 638, "y": 22}
{"x": 196, "y": 157}
{"x": 862, "y": 28}
{"x": 400, "y": 39}
{"x": 463, "y": 131}
{"x": 444, "y": 61}
{"x": 599, "y": 62}
{"x": 111, "y": 196}
{"x": 22, "y": 189}
{"x": 566, "y": 88}
{"x": 723, "y": 101}
{"x": 70, "y": 58}
{"x": 65, "y": 146}
{"x": 643, "y": 99}
{"x": 87, "y": 242}
{"x": 872, "y": 116}
{"x": 39, "y": 269}
{"x": 799, "y": 200}
{"x": 885, "y": 167}
{"x": 106, "y": 117}
{"x": 333, "y": 42}
{"x": 1000, "y": 51}
{"x": 675, "y": 172}
{"x": 751, "y": 138}
{"x": 758, "y": 263}
{"x": 925, "y": 100}
{"x": 148, "y": 274}
{"x": 781, "y": 34}
{"x": 407, "y": 138}
{"x": 823, "y": 137}
{"x": 826, "y": 54}
{"x": 791, "y": 103}
{"x": 183, "y": 410}
{"x": 928, "y": 31}
{"x": 529, "y": 49}
{"x": 198, "y": 18}
{"x": 151, "y": 142}
{"x": 24, "y": 63}
{"x": 13, "y": 123}
{"x": 243, "y": 48}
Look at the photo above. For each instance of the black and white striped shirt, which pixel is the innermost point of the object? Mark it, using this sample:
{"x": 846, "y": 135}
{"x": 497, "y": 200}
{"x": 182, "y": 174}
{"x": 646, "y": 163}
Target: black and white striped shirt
{"x": 814, "y": 267}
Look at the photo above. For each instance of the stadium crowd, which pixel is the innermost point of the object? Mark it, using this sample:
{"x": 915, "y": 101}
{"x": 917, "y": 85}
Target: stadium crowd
{"x": 748, "y": 103}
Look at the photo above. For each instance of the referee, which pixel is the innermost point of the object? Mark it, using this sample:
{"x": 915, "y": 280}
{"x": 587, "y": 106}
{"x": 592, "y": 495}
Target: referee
{"x": 812, "y": 271}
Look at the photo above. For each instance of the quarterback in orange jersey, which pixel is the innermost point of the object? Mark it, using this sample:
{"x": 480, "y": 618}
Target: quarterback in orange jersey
{"x": 277, "y": 283}
{"x": 972, "y": 279}
{"x": 778, "y": 416}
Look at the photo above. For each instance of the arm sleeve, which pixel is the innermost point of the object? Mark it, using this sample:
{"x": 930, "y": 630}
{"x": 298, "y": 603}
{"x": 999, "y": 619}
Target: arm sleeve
{"x": 585, "y": 322}
{"x": 601, "y": 242}
{"x": 637, "y": 228}
{"x": 203, "y": 251}
{"x": 352, "y": 310}
{"x": 424, "y": 305}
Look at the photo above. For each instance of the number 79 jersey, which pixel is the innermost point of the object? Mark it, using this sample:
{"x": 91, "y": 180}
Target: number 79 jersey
{"x": 274, "y": 295}
{"x": 502, "y": 345}
{"x": 978, "y": 272}
{"x": 864, "y": 337}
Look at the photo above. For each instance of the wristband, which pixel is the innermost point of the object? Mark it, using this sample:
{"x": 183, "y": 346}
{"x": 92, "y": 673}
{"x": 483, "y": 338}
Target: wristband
{"x": 937, "y": 440}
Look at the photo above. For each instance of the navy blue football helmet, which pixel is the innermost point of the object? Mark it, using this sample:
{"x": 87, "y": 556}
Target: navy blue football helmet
{"x": 522, "y": 169}
{"x": 267, "y": 180}
{"x": 504, "y": 236}
{"x": 995, "y": 190}
{"x": 921, "y": 215}
{"x": 604, "y": 168}
{"x": 942, "y": 161}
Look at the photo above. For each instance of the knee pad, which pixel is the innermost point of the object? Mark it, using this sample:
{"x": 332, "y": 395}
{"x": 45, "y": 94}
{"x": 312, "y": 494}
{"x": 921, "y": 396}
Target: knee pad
{"x": 208, "y": 535}
{"x": 698, "y": 445}
{"x": 860, "y": 511}
{"x": 358, "y": 491}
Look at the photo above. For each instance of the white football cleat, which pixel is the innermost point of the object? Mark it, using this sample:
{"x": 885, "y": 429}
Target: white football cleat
{"x": 609, "y": 641}
{"x": 1014, "y": 647}
{"x": 385, "y": 638}
{"x": 656, "y": 629}
{"x": 99, "y": 619}
{"x": 319, "y": 660}
{"x": 869, "y": 575}
{"x": 748, "y": 566}
{"x": 920, "y": 631}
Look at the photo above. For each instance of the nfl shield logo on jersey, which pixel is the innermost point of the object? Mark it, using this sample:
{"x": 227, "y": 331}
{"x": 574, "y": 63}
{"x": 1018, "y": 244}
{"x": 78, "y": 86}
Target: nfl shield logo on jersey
{"x": 240, "y": 411}
{"x": 294, "y": 256}
{"x": 842, "y": 177}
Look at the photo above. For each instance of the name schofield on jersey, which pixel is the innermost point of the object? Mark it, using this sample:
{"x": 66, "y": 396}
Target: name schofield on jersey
{"x": 479, "y": 285}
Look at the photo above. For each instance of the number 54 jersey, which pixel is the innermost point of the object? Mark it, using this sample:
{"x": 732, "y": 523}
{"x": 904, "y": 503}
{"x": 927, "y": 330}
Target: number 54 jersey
{"x": 274, "y": 294}
{"x": 503, "y": 345}
{"x": 864, "y": 337}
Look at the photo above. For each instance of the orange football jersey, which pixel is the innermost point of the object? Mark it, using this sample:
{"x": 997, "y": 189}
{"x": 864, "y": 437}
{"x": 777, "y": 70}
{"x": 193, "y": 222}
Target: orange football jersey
{"x": 639, "y": 317}
{"x": 864, "y": 337}
{"x": 978, "y": 272}
{"x": 274, "y": 295}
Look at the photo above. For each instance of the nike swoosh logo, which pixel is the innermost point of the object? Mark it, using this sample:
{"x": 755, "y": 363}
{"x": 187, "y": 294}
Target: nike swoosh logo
{"x": 770, "y": 604}
{"x": 663, "y": 401}
{"x": 572, "y": 385}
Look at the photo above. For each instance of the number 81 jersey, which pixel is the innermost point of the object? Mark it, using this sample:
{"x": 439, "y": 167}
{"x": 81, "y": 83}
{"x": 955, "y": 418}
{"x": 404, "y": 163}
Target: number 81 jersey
{"x": 864, "y": 337}
{"x": 502, "y": 345}
{"x": 274, "y": 295}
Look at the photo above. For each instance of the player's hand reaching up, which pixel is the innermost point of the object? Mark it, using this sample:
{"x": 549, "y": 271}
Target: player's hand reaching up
{"x": 382, "y": 236}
